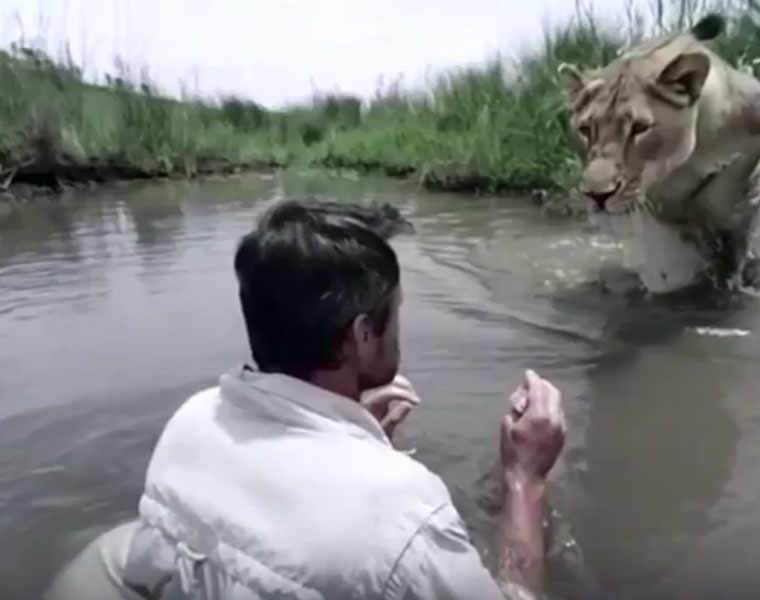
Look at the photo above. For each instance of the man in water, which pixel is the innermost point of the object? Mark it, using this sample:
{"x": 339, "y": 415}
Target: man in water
{"x": 282, "y": 482}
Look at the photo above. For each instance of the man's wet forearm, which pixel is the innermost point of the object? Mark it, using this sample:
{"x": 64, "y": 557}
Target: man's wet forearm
{"x": 521, "y": 545}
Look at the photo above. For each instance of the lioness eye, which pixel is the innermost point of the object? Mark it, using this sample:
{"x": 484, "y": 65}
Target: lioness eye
{"x": 639, "y": 127}
{"x": 585, "y": 131}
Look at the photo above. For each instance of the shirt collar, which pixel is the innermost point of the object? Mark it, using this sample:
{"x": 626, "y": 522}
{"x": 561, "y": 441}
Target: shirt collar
{"x": 307, "y": 397}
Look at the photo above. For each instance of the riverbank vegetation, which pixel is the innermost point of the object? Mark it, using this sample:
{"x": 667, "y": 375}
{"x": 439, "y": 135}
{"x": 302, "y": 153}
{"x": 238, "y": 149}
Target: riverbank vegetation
{"x": 497, "y": 127}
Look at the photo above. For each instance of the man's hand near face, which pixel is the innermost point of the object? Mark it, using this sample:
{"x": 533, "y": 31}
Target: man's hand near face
{"x": 391, "y": 404}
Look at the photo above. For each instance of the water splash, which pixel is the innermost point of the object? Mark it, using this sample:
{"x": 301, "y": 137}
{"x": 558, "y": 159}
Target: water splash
{"x": 722, "y": 332}
{"x": 663, "y": 260}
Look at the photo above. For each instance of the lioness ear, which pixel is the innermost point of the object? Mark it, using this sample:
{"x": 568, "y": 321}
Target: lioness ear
{"x": 684, "y": 77}
{"x": 572, "y": 79}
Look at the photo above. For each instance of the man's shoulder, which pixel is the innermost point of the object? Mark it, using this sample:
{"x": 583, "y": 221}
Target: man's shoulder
{"x": 189, "y": 423}
{"x": 404, "y": 475}
{"x": 203, "y": 396}
{"x": 198, "y": 404}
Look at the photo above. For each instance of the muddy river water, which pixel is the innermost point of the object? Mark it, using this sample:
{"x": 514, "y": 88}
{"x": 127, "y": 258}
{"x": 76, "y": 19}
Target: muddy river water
{"x": 117, "y": 304}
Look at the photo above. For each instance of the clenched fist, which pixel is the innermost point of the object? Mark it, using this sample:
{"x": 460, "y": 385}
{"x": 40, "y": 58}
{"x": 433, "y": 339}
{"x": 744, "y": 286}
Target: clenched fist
{"x": 533, "y": 431}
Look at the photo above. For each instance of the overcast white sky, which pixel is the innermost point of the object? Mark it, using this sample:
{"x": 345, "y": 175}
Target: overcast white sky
{"x": 281, "y": 50}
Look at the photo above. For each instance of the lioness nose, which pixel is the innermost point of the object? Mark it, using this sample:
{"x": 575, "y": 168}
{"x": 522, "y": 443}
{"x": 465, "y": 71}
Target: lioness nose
{"x": 600, "y": 198}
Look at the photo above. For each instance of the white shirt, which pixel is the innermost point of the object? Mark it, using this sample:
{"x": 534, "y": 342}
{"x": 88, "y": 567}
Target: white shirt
{"x": 270, "y": 487}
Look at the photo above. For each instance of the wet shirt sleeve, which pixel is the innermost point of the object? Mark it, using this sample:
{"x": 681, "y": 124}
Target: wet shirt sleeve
{"x": 441, "y": 563}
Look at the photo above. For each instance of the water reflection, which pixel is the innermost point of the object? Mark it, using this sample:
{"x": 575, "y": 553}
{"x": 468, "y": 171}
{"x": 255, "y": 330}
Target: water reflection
{"x": 28, "y": 232}
{"x": 156, "y": 215}
{"x": 645, "y": 435}
{"x": 53, "y": 249}
{"x": 661, "y": 443}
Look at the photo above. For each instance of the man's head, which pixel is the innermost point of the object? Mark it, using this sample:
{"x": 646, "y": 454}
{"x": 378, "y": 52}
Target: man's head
{"x": 320, "y": 291}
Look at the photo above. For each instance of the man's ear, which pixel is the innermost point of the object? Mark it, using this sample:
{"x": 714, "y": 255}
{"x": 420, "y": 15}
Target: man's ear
{"x": 361, "y": 335}
{"x": 361, "y": 328}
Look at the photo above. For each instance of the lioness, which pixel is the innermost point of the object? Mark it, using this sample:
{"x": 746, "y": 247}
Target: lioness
{"x": 669, "y": 135}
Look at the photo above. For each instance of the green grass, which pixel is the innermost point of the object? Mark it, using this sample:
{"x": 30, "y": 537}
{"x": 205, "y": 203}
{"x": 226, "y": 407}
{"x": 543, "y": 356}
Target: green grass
{"x": 507, "y": 122}
{"x": 501, "y": 126}
{"x": 49, "y": 115}
{"x": 479, "y": 128}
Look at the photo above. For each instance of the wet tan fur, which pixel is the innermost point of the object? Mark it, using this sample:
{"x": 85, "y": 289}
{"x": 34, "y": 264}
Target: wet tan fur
{"x": 675, "y": 131}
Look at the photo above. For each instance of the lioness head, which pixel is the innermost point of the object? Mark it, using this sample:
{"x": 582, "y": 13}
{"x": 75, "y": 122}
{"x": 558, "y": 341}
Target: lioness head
{"x": 634, "y": 121}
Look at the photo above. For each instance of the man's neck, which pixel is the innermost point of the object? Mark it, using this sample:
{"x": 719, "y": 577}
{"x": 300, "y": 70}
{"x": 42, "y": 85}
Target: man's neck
{"x": 338, "y": 382}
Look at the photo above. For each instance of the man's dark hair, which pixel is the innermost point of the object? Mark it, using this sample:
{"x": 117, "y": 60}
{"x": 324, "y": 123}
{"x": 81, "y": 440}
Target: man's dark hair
{"x": 304, "y": 274}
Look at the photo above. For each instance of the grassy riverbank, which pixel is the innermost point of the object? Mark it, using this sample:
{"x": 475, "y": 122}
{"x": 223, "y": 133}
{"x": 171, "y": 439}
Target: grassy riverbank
{"x": 498, "y": 127}
{"x": 503, "y": 126}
